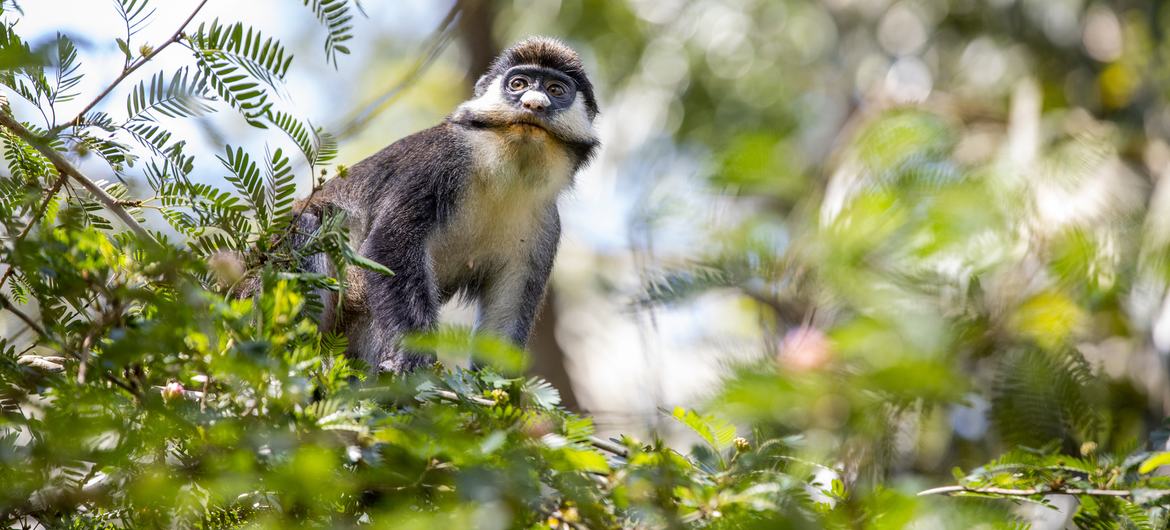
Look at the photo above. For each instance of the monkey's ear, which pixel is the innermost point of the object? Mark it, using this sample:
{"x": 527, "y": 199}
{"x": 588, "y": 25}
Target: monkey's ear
{"x": 482, "y": 85}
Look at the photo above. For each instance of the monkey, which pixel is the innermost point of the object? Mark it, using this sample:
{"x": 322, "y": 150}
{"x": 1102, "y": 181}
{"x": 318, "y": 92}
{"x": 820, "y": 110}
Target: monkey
{"x": 465, "y": 208}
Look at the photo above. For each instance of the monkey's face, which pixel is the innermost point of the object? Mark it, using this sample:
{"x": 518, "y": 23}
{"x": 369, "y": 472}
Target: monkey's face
{"x": 541, "y": 91}
{"x": 531, "y": 99}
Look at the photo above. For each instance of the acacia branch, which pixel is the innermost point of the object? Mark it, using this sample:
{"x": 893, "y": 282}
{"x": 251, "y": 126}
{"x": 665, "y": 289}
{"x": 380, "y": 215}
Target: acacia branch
{"x": 947, "y": 490}
{"x": 44, "y": 207}
{"x": 596, "y": 441}
{"x": 137, "y": 64}
{"x": 63, "y": 165}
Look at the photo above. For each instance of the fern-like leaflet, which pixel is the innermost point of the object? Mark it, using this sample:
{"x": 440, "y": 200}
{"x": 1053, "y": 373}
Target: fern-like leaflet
{"x": 246, "y": 179}
{"x": 337, "y": 18}
{"x": 318, "y": 146}
{"x": 237, "y": 62}
{"x": 134, "y": 16}
{"x": 68, "y": 74}
{"x": 23, "y": 71}
{"x": 158, "y": 140}
{"x": 281, "y": 186}
{"x": 184, "y": 96}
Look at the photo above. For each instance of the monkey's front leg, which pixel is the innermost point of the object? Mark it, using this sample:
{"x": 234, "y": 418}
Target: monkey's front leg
{"x": 511, "y": 299}
{"x": 403, "y": 303}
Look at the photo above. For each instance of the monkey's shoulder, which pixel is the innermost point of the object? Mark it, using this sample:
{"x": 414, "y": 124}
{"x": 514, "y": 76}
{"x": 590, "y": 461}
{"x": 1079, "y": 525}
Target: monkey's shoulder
{"x": 439, "y": 151}
{"x": 430, "y": 162}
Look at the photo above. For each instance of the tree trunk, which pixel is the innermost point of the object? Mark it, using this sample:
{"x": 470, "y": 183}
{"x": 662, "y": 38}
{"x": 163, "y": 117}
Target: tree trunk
{"x": 548, "y": 356}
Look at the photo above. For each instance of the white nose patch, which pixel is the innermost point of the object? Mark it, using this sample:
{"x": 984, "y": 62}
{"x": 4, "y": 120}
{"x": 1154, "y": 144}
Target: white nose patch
{"x": 534, "y": 100}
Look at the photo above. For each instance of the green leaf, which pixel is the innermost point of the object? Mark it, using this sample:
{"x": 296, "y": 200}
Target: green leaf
{"x": 718, "y": 433}
{"x": 578, "y": 429}
{"x": 25, "y": 163}
{"x": 236, "y": 61}
{"x": 546, "y": 396}
{"x": 134, "y": 16}
{"x": 337, "y": 18}
{"x": 281, "y": 188}
{"x": 185, "y": 95}
{"x": 453, "y": 344}
{"x": 122, "y": 45}
{"x": 368, "y": 264}
{"x": 68, "y": 74}
{"x": 246, "y": 179}
{"x": 585, "y": 460}
{"x": 21, "y": 67}
{"x": 1154, "y": 462}
{"x": 318, "y": 146}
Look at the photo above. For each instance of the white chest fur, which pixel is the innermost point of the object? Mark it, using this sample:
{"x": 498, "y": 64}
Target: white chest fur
{"x": 519, "y": 172}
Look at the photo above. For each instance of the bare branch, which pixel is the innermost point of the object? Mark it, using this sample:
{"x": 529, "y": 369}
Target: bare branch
{"x": 947, "y": 490}
{"x": 32, "y": 324}
{"x": 437, "y": 42}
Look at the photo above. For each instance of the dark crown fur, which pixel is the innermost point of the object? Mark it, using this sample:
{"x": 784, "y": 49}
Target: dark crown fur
{"x": 545, "y": 52}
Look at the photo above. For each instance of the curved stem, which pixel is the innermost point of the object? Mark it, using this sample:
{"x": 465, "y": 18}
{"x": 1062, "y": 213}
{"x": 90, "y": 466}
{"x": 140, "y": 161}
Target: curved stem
{"x": 32, "y": 324}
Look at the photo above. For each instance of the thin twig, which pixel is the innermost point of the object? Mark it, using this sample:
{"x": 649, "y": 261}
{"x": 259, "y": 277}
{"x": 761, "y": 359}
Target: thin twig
{"x": 453, "y": 397}
{"x": 32, "y": 324}
{"x": 137, "y": 64}
{"x": 947, "y": 490}
{"x": 83, "y": 362}
{"x": 609, "y": 447}
{"x": 44, "y": 207}
{"x": 123, "y": 385}
{"x": 63, "y": 165}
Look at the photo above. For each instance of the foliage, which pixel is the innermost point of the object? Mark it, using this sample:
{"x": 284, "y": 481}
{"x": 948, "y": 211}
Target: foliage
{"x": 141, "y": 392}
{"x": 940, "y": 222}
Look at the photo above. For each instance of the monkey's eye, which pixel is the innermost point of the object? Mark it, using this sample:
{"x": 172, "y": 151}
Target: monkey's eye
{"x": 518, "y": 83}
{"x": 557, "y": 90}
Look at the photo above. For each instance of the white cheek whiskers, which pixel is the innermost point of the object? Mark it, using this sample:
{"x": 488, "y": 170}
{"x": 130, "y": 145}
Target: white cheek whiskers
{"x": 492, "y": 100}
{"x": 574, "y": 123}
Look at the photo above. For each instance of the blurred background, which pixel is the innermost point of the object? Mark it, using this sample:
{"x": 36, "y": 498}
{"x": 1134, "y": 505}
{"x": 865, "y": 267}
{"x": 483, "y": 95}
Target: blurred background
{"x": 926, "y": 189}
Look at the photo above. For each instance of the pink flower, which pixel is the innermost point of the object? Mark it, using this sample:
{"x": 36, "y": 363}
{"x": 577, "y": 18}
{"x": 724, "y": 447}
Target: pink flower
{"x": 173, "y": 390}
{"x": 804, "y": 349}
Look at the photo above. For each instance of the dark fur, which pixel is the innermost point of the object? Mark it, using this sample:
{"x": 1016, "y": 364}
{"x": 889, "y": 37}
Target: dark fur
{"x": 398, "y": 198}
